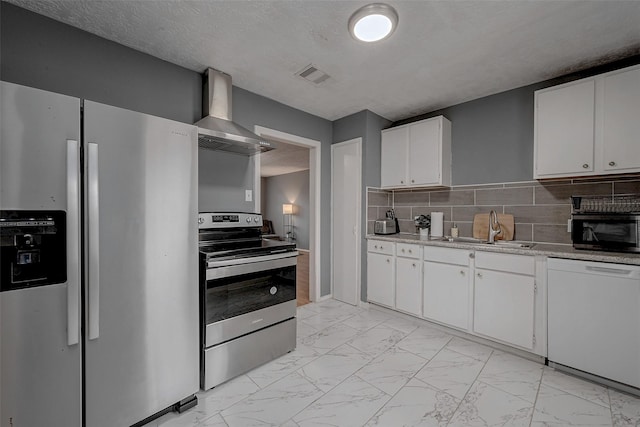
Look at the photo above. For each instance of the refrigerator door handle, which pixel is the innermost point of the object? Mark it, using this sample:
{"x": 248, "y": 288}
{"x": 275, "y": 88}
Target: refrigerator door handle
{"x": 93, "y": 240}
{"x": 73, "y": 242}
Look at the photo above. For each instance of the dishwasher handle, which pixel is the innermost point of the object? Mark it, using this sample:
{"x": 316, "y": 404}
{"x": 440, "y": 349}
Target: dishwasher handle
{"x": 609, "y": 270}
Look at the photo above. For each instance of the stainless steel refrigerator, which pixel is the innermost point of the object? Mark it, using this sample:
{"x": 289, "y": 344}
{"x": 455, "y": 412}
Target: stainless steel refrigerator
{"x": 99, "y": 274}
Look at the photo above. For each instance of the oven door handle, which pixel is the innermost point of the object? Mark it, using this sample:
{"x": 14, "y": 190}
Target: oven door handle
{"x": 251, "y": 260}
{"x": 254, "y": 267}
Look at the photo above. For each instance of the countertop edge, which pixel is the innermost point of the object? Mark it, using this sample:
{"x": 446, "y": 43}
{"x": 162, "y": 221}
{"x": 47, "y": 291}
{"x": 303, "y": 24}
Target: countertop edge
{"x": 540, "y": 249}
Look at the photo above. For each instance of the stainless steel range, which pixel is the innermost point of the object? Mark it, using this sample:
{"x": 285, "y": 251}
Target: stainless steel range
{"x": 247, "y": 296}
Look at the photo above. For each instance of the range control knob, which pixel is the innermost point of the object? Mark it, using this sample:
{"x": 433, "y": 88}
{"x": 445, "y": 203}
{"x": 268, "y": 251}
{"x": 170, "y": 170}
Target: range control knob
{"x": 248, "y": 220}
{"x": 200, "y": 220}
{"x": 256, "y": 219}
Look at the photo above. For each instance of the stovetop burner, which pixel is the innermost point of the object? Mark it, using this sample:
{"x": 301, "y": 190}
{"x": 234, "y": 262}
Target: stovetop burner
{"x": 235, "y": 235}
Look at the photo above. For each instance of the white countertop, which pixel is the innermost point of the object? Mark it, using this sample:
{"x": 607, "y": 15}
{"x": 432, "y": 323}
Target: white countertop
{"x": 544, "y": 249}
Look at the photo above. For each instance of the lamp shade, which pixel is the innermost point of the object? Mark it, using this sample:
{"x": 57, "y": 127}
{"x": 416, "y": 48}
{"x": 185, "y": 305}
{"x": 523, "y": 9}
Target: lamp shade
{"x": 287, "y": 209}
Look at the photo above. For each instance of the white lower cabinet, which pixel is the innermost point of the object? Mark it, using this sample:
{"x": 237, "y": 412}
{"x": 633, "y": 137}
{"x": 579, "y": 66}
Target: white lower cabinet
{"x": 497, "y": 296}
{"x": 505, "y": 298}
{"x": 381, "y": 273}
{"x": 409, "y": 279}
{"x": 446, "y": 293}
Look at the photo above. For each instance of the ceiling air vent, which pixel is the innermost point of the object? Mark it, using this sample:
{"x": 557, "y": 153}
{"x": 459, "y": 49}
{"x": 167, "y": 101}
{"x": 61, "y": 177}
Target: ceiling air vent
{"x": 312, "y": 74}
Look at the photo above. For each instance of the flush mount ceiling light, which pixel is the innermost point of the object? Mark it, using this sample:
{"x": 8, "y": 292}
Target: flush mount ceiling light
{"x": 373, "y": 22}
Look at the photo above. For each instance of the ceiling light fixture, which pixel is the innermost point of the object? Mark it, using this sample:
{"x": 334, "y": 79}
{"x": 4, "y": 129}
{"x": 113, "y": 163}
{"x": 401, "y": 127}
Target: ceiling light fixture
{"x": 373, "y": 22}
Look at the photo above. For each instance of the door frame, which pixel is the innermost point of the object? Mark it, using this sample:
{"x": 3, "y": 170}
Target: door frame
{"x": 315, "y": 155}
{"x": 358, "y": 254}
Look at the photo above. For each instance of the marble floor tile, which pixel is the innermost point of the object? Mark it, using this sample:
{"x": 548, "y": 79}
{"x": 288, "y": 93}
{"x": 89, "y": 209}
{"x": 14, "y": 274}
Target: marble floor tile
{"x": 351, "y": 403}
{"x": 451, "y": 372}
{"x": 303, "y": 330}
{"x": 225, "y": 395}
{"x": 402, "y": 324}
{"x": 358, "y": 366}
{"x": 377, "y": 340}
{"x": 470, "y": 348}
{"x": 274, "y": 404}
{"x": 513, "y": 374}
{"x": 363, "y": 322}
{"x": 424, "y": 342}
{"x": 485, "y": 405}
{"x": 416, "y": 404}
{"x": 282, "y": 366}
{"x": 329, "y": 338}
{"x": 559, "y": 408}
{"x": 329, "y": 370}
{"x": 329, "y": 317}
{"x": 391, "y": 370}
{"x": 578, "y": 387}
{"x": 625, "y": 409}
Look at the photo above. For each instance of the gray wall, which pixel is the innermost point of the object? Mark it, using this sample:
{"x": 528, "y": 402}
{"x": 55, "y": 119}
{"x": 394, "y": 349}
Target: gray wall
{"x": 288, "y": 188}
{"x": 492, "y": 137}
{"x": 365, "y": 125}
{"x": 46, "y": 54}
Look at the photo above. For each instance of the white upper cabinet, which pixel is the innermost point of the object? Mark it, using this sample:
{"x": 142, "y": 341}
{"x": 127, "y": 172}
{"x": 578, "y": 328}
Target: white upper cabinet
{"x": 621, "y": 122}
{"x": 588, "y": 127}
{"x": 417, "y": 154}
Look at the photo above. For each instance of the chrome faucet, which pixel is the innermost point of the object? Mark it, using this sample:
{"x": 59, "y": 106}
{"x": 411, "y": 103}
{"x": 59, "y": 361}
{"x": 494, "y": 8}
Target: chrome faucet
{"x": 493, "y": 221}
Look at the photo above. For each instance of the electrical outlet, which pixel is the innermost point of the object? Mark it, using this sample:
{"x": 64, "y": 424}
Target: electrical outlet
{"x": 248, "y": 195}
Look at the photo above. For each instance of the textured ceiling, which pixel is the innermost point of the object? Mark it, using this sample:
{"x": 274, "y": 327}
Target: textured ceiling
{"x": 443, "y": 52}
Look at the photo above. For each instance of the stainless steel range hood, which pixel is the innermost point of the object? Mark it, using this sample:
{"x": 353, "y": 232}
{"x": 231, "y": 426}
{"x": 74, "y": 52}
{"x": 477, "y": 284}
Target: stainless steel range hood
{"x": 216, "y": 131}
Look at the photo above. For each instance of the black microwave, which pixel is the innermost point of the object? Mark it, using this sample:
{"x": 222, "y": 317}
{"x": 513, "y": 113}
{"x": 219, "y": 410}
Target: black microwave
{"x": 619, "y": 232}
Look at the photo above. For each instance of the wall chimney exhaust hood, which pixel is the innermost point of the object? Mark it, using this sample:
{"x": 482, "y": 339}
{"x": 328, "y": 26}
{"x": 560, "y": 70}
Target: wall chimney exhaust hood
{"x": 216, "y": 131}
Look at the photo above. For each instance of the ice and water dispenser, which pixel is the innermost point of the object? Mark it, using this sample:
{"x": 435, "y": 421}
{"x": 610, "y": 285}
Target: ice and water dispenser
{"x": 33, "y": 248}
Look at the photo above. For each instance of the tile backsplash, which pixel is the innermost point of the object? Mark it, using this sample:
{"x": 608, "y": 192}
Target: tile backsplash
{"x": 541, "y": 209}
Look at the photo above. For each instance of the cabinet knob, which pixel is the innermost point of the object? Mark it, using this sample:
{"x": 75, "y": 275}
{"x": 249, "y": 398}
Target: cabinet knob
{"x": 376, "y": 246}
{"x": 410, "y": 251}
{"x": 401, "y": 182}
{"x": 612, "y": 163}
{"x": 412, "y": 181}
{"x": 585, "y": 166}
{"x": 462, "y": 272}
{"x": 388, "y": 260}
{"x": 472, "y": 255}
{"x": 479, "y": 275}
{"x": 381, "y": 247}
{"x": 403, "y": 251}
{"x": 413, "y": 265}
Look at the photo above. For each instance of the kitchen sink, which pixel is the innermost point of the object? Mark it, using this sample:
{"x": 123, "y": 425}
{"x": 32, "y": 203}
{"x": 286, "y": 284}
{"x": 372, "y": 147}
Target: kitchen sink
{"x": 513, "y": 244}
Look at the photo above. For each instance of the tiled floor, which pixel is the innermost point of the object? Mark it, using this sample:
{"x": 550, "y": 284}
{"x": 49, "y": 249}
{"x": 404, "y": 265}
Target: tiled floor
{"x": 366, "y": 367}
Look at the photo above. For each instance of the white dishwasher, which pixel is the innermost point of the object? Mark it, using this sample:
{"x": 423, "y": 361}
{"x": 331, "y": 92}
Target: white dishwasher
{"x": 594, "y": 318}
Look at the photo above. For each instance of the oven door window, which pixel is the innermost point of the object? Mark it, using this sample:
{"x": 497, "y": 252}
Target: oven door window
{"x": 232, "y": 296}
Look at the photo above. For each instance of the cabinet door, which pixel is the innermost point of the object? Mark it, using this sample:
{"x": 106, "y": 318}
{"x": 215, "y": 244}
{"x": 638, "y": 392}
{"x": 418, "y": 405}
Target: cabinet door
{"x": 393, "y": 163}
{"x": 504, "y": 307}
{"x": 425, "y": 157}
{"x": 446, "y": 293}
{"x": 409, "y": 285}
{"x": 621, "y": 121}
{"x": 564, "y": 126}
{"x": 380, "y": 279}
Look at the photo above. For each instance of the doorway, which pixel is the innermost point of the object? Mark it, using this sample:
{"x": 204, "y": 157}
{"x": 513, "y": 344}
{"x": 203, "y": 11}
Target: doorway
{"x": 290, "y": 175}
{"x": 346, "y": 186}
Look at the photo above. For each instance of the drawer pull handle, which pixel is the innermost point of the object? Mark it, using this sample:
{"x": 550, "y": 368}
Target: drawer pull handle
{"x": 585, "y": 166}
{"x": 612, "y": 163}
{"x": 403, "y": 251}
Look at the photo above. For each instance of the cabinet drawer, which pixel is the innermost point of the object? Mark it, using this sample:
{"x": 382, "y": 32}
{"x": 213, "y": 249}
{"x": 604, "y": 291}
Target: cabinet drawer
{"x": 447, "y": 255}
{"x": 407, "y": 250}
{"x": 520, "y": 264}
{"x": 380, "y": 247}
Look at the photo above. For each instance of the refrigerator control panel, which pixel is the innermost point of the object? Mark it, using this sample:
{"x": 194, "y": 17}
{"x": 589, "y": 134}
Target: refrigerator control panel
{"x": 33, "y": 249}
